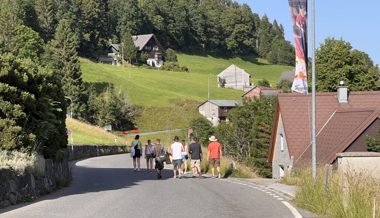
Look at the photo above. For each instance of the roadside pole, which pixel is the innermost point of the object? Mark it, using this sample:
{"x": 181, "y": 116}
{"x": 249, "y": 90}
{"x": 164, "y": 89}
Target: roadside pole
{"x": 313, "y": 100}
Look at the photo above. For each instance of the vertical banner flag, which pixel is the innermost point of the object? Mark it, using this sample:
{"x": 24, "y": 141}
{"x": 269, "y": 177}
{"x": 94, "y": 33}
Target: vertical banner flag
{"x": 298, "y": 12}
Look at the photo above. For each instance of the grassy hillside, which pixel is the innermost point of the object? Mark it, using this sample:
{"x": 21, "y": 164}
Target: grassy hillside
{"x": 149, "y": 87}
{"x": 83, "y": 133}
{"x": 257, "y": 67}
{"x": 169, "y": 99}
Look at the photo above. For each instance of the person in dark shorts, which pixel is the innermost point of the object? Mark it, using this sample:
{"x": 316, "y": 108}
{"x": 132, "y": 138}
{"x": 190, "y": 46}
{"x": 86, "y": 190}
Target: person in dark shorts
{"x": 195, "y": 151}
{"x": 159, "y": 152}
{"x": 214, "y": 155}
{"x": 137, "y": 146}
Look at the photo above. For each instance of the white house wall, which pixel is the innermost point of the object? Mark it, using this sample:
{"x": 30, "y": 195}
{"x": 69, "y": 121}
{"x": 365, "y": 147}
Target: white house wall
{"x": 281, "y": 158}
{"x": 210, "y": 111}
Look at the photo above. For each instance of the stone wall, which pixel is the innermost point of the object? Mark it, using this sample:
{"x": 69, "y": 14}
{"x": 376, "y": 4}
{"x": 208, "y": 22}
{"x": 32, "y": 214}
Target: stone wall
{"x": 359, "y": 163}
{"x": 85, "y": 151}
{"x": 16, "y": 188}
{"x": 28, "y": 186}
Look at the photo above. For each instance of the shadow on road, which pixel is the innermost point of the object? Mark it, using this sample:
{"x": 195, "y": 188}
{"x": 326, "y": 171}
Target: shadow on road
{"x": 87, "y": 180}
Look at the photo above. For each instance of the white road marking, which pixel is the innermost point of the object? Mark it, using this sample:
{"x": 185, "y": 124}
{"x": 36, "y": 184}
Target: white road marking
{"x": 294, "y": 211}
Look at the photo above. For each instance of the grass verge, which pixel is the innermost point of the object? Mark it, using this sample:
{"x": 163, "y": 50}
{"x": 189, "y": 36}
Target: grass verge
{"x": 328, "y": 200}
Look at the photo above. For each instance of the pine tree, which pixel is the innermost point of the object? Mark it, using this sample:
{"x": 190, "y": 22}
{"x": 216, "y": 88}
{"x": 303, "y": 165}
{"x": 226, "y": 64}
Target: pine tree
{"x": 46, "y": 18}
{"x": 129, "y": 48}
{"x": 65, "y": 62}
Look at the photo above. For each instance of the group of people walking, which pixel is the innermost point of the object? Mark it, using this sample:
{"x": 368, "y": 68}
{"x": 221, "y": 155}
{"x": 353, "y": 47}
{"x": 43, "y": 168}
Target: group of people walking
{"x": 179, "y": 154}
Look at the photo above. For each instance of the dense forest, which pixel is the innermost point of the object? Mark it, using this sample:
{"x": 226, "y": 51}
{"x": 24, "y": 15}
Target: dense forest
{"x": 211, "y": 26}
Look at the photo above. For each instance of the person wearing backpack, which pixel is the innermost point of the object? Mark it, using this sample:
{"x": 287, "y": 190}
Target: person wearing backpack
{"x": 149, "y": 155}
{"x": 137, "y": 147}
{"x": 159, "y": 153}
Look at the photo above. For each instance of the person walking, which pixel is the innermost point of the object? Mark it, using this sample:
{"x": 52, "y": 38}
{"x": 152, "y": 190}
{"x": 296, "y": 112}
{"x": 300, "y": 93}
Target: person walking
{"x": 137, "y": 147}
{"x": 185, "y": 157}
{"x": 176, "y": 152}
{"x": 149, "y": 155}
{"x": 159, "y": 153}
{"x": 195, "y": 151}
{"x": 214, "y": 155}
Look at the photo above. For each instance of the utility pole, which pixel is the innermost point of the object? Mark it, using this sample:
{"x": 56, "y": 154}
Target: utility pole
{"x": 313, "y": 100}
{"x": 122, "y": 54}
{"x": 208, "y": 88}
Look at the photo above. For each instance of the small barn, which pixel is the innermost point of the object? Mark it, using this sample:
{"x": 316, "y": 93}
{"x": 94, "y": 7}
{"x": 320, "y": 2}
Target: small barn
{"x": 217, "y": 110}
{"x": 234, "y": 77}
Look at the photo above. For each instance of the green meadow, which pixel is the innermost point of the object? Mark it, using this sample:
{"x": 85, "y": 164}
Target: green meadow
{"x": 169, "y": 99}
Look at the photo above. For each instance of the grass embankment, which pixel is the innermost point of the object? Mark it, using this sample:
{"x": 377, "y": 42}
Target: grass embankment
{"x": 328, "y": 200}
{"x": 82, "y": 133}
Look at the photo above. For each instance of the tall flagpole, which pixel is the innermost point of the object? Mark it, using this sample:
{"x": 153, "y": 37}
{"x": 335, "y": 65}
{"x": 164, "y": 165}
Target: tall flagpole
{"x": 313, "y": 100}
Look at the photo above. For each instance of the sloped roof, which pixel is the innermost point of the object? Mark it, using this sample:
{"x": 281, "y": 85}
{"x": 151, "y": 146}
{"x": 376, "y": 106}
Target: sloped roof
{"x": 295, "y": 111}
{"x": 339, "y": 132}
{"x": 141, "y": 40}
{"x": 232, "y": 70}
{"x": 266, "y": 91}
{"x": 222, "y": 103}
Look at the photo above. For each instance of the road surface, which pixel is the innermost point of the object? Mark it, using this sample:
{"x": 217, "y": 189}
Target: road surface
{"x": 108, "y": 187}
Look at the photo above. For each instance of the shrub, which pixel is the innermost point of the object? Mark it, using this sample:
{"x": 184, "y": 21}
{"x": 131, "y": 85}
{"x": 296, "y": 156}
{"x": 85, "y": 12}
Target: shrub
{"x": 22, "y": 162}
{"x": 171, "y": 55}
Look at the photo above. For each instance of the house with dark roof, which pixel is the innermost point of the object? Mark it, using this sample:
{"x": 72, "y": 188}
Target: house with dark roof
{"x": 147, "y": 43}
{"x": 343, "y": 121}
{"x": 260, "y": 91}
{"x": 217, "y": 110}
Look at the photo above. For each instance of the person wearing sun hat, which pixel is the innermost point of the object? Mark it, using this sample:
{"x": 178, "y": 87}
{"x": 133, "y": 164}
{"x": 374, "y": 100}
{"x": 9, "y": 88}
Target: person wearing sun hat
{"x": 214, "y": 155}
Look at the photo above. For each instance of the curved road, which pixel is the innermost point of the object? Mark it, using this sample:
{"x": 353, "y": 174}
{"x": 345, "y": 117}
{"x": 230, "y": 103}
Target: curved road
{"x": 108, "y": 187}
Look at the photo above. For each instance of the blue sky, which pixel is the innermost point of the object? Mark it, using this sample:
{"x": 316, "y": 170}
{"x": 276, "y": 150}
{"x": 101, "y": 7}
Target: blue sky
{"x": 357, "y": 22}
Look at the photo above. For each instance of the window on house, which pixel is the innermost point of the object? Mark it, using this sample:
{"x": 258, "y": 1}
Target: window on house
{"x": 281, "y": 142}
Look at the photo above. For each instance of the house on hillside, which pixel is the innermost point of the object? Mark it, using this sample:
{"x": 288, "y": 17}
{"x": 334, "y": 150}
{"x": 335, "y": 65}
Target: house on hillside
{"x": 234, "y": 77}
{"x": 260, "y": 91}
{"x": 147, "y": 43}
{"x": 343, "y": 122}
{"x": 217, "y": 110}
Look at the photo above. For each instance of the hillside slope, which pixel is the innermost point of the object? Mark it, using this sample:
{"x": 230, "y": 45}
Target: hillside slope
{"x": 169, "y": 99}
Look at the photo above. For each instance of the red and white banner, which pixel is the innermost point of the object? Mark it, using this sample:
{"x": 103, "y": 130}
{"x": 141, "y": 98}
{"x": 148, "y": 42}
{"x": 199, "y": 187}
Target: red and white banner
{"x": 298, "y": 12}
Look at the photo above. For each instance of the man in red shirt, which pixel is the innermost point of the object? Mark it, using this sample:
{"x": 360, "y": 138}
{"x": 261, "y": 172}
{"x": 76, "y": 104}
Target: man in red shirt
{"x": 214, "y": 155}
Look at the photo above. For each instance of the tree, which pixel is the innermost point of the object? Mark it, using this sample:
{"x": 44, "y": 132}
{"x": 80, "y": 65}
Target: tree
{"x": 129, "y": 48}
{"x": 373, "y": 143}
{"x": 33, "y": 108}
{"x": 285, "y": 85}
{"x": 65, "y": 62}
{"x": 264, "y": 82}
{"x": 171, "y": 55}
{"x": 26, "y": 43}
{"x": 265, "y": 36}
{"x": 336, "y": 61}
{"x": 282, "y": 52}
{"x": 46, "y": 18}
{"x": 202, "y": 128}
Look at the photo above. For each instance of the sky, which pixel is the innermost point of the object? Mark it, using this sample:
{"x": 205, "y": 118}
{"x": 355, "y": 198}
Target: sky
{"x": 357, "y": 22}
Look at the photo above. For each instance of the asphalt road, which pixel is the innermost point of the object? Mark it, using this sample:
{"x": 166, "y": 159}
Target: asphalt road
{"x": 108, "y": 187}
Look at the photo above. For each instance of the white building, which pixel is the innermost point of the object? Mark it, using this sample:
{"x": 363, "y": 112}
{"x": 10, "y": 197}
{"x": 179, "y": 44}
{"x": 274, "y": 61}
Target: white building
{"x": 217, "y": 110}
{"x": 234, "y": 77}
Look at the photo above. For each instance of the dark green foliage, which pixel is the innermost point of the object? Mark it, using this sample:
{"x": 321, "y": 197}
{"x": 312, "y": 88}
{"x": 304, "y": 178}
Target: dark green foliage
{"x": 129, "y": 48}
{"x": 63, "y": 57}
{"x": 246, "y": 136}
{"x": 26, "y": 43}
{"x": 171, "y": 66}
{"x": 373, "y": 143}
{"x": 264, "y": 82}
{"x": 32, "y": 108}
{"x": 170, "y": 55}
{"x": 45, "y": 12}
{"x": 285, "y": 85}
{"x": 282, "y": 52}
{"x": 202, "y": 129}
{"x": 336, "y": 61}
{"x": 110, "y": 107}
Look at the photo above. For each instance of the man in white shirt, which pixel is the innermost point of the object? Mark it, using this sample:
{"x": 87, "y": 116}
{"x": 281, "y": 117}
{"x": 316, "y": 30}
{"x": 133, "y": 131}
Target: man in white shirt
{"x": 176, "y": 152}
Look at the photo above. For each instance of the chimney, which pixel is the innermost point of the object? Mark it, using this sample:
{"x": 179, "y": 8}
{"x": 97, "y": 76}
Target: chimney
{"x": 342, "y": 93}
